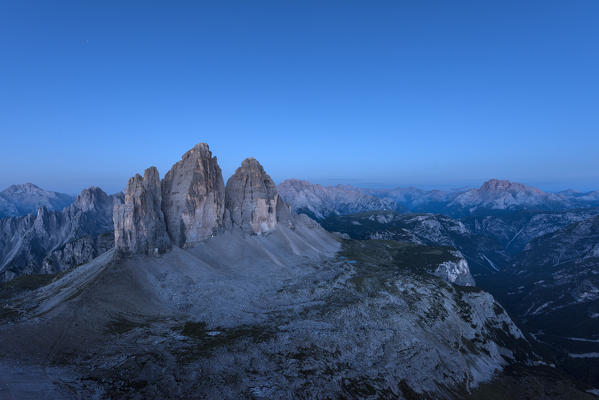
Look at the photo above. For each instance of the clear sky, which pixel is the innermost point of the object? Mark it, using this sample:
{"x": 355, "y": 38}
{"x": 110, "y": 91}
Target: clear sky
{"x": 426, "y": 93}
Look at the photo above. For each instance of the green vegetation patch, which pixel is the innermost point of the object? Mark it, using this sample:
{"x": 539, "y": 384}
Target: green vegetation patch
{"x": 24, "y": 283}
{"x": 194, "y": 329}
{"x": 121, "y": 325}
{"x": 207, "y": 340}
{"x": 407, "y": 256}
{"x": 27, "y": 282}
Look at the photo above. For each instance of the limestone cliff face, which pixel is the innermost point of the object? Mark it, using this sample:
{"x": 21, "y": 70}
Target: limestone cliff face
{"x": 252, "y": 201}
{"x": 139, "y": 225}
{"x": 191, "y": 204}
{"x": 193, "y": 197}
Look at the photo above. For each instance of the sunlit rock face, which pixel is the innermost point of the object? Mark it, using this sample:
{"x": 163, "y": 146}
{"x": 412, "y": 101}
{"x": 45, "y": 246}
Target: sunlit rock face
{"x": 252, "y": 201}
{"x": 139, "y": 225}
{"x": 193, "y": 197}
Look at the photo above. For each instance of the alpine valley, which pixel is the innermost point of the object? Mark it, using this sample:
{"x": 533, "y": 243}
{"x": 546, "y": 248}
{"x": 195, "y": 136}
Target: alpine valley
{"x": 536, "y": 252}
{"x": 187, "y": 287}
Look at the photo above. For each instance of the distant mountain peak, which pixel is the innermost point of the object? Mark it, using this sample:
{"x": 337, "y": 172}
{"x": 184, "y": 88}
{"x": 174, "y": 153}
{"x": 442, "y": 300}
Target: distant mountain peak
{"x": 498, "y": 185}
{"x": 496, "y": 194}
{"x": 90, "y": 197}
{"x": 23, "y": 187}
{"x": 26, "y": 198}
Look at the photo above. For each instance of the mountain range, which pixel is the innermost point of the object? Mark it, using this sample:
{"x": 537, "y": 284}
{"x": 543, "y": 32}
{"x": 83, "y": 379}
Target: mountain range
{"x": 536, "y": 251}
{"x": 322, "y": 201}
{"x": 493, "y": 197}
{"x": 159, "y": 254}
{"x": 196, "y": 288}
{"x": 51, "y": 241}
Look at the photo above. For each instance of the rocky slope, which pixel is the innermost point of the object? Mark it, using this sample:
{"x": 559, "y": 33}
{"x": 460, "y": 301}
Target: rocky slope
{"x": 24, "y": 199}
{"x": 551, "y": 286}
{"x": 275, "y": 316}
{"x": 319, "y": 201}
{"x": 53, "y": 241}
{"x": 252, "y": 200}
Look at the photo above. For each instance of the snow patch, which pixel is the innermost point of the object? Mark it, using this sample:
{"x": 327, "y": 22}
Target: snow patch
{"x": 491, "y": 263}
{"x": 541, "y": 308}
{"x": 594, "y": 391}
{"x": 577, "y": 339}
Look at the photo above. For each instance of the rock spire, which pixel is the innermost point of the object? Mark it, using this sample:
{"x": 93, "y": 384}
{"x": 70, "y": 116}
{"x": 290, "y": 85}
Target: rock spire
{"x": 191, "y": 204}
{"x": 139, "y": 225}
{"x": 252, "y": 201}
{"x": 193, "y": 197}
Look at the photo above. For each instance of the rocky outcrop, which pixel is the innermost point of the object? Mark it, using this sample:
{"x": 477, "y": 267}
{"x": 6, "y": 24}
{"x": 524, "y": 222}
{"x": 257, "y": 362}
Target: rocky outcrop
{"x": 45, "y": 242}
{"x": 193, "y": 197}
{"x": 77, "y": 252}
{"x": 455, "y": 270}
{"x": 252, "y": 201}
{"x": 139, "y": 225}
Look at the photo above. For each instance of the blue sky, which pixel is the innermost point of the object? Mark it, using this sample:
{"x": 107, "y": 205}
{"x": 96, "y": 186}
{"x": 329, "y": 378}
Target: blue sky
{"x": 425, "y": 93}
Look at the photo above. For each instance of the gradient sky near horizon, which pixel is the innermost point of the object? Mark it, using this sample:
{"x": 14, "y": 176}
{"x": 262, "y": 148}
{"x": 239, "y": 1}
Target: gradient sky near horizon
{"x": 380, "y": 93}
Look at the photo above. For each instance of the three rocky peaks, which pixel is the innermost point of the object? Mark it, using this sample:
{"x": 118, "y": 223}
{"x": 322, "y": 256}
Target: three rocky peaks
{"x": 192, "y": 204}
